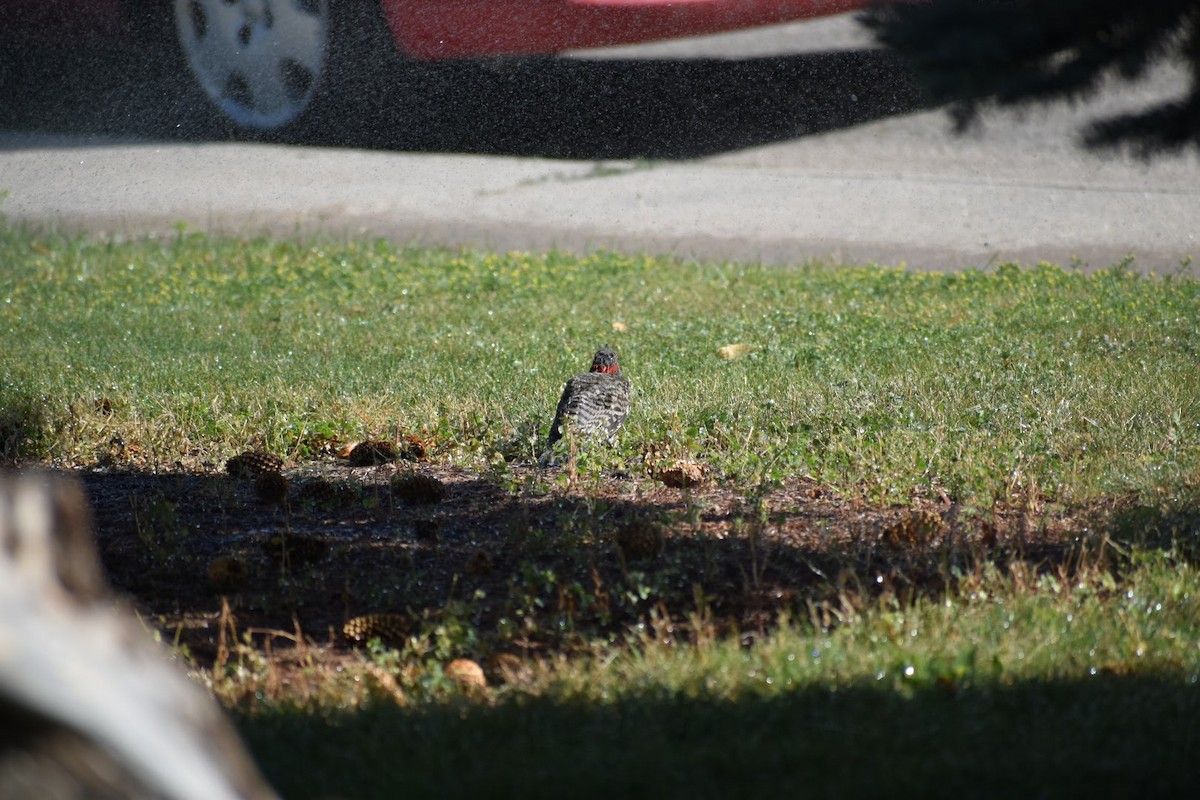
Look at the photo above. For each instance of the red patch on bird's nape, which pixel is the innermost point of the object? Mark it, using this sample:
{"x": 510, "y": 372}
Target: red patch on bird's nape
{"x": 607, "y": 369}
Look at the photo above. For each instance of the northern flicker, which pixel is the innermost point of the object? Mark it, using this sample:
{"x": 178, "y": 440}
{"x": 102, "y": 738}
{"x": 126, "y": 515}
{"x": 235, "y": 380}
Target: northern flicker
{"x": 594, "y": 403}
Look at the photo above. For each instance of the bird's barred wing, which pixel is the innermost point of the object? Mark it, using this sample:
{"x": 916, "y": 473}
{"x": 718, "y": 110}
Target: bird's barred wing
{"x": 615, "y": 398}
{"x": 598, "y": 403}
{"x": 569, "y": 395}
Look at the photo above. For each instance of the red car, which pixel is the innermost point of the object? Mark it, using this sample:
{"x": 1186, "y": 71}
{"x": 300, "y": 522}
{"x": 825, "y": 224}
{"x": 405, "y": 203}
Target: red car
{"x": 261, "y": 62}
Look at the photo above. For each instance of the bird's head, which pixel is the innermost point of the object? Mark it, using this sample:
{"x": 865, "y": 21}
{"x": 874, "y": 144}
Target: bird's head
{"x": 606, "y": 361}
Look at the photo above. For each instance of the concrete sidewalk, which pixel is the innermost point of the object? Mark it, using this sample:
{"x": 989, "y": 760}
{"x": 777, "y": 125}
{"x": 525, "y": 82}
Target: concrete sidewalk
{"x": 779, "y": 204}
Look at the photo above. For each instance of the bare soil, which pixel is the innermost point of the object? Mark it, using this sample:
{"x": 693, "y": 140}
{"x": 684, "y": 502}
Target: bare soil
{"x": 533, "y": 564}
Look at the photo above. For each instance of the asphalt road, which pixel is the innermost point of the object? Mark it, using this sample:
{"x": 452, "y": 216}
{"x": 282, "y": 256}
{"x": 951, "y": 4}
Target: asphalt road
{"x": 777, "y": 145}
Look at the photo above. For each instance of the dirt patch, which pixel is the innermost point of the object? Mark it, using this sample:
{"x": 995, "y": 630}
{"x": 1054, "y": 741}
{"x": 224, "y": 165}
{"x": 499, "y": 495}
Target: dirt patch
{"x": 528, "y": 560}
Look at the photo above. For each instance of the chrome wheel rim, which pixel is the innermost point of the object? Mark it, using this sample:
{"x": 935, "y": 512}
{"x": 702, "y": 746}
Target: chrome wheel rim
{"x": 259, "y": 61}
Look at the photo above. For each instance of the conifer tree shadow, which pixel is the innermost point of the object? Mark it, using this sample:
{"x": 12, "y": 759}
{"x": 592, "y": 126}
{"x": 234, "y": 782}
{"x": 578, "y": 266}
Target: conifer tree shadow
{"x": 593, "y": 561}
{"x": 1097, "y": 736}
{"x": 22, "y": 427}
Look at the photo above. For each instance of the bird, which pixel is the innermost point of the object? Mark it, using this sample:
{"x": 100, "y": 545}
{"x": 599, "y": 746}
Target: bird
{"x": 594, "y": 403}
{"x": 90, "y": 705}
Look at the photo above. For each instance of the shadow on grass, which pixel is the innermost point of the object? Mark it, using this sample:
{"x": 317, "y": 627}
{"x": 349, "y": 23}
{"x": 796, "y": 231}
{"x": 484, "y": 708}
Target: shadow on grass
{"x": 555, "y": 561}
{"x": 539, "y": 567}
{"x": 1105, "y": 736}
{"x": 1171, "y": 524}
{"x": 22, "y": 429}
{"x": 561, "y": 108}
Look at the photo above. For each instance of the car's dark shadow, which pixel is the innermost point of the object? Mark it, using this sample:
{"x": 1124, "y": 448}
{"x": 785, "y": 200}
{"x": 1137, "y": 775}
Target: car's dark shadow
{"x": 552, "y": 107}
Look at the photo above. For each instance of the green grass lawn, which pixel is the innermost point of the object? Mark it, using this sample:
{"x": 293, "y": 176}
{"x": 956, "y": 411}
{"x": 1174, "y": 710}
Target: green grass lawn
{"x": 1012, "y": 674}
{"x": 875, "y": 381}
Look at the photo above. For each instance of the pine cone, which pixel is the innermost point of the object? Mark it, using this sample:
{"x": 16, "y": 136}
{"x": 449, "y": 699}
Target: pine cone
{"x": 390, "y": 628}
{"x": 253, "y": 463}
{"x": 271, "y": 487}
{"x": 373, "y": 452}
{"x": 427, "y": 530}
{"x": 479, "y": 563}
{"x": 915, "y": 527}
{"x": 411, "y": 448}
{"x": 639, "y": 540}
{"x": 681, "y": 475}
{"x": 226, "y": 574}
{"x": 509, "y": 668}
{"x": 297, "y": 550}
{"x": 326, "y": 494}
{"x": 418, "y": 489}
{"x": 466, "y": 673}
